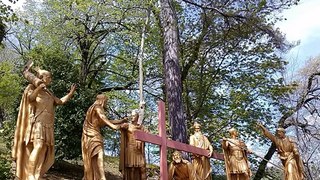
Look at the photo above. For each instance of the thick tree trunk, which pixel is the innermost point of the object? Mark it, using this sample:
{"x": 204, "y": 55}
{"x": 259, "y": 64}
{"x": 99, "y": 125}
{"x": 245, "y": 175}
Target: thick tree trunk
{"x": 172, "y": 71}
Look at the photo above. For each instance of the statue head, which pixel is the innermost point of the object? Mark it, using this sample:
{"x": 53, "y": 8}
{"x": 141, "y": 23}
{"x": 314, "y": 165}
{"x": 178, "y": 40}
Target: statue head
{"x": 44, "y": 75}
{"x": 196, "y": 127}
{"x": 176, "y": 156}
{"x": 281, "y": 133}
{"x": 135, "y": 116}
{"x": 101, "y": 99}
{"x": 233, "y": 132}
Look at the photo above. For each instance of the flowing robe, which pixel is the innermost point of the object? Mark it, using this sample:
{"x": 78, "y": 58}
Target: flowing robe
{"x": 236, "y": 161}
{"x": 293, "y": 166}
{"x": 34, "y": 123}
{"x": 91, "y": 143}
{"x": 201, "y": 164}
{"x": 132, "y": 157}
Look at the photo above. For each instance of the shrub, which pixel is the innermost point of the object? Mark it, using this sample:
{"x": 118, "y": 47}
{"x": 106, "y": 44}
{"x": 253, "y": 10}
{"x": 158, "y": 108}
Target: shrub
{"x": 5, "y": 167}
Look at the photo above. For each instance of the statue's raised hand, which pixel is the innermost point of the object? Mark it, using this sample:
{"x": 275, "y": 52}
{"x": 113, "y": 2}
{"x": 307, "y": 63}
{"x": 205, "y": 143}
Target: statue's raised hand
{"x": 259, "y": 125}
{"x": 124, "y": 126}
{"x": 73, "y": 88}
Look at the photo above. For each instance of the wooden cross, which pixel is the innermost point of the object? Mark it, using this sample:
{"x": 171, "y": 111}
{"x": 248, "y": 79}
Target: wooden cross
{"x": 165, "y": 143}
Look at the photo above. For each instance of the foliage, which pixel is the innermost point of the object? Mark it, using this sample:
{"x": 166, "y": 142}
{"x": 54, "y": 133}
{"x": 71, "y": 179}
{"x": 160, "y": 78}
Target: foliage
{"x": 153, "y": 171}
{"x": 5, "y": 168}
{"x": 9, "y": 85}
{"x": 6, "y": 15}
{"x": 219, "y": 177}
{"x": 5, "y": 165}
{"x": 302, "y": 121}
{"x": 230, "y": 65}
{"x": 98, "y": 59}
{"x": 300, "y": 116}
{"x": 274, "y": 173}
{"x": 10, "y": 88}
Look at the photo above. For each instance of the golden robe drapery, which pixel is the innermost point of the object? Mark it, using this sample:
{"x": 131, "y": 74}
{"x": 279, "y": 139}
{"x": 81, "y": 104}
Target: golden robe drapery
{"x": 28, "y": 128}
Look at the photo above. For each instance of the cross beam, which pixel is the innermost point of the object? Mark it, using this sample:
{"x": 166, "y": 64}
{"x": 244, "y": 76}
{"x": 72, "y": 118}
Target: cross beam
{"x": 165, "y": 143}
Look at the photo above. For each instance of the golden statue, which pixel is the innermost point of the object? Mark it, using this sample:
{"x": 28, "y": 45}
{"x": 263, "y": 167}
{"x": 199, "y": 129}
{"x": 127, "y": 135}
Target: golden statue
{"x": 180, "y": 169}
{"x": 33, "y": 149}
{"x": 92, "y": 140}
{"x": 235, "y": 155}
{"x": 201, "y": 164}
{"x": 132, "y": 157}
{"x": 288, "y": 153}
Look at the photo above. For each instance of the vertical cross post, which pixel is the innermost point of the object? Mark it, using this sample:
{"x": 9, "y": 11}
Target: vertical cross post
{"x": 165, "y": 143}
{"x": 163, "y": 135}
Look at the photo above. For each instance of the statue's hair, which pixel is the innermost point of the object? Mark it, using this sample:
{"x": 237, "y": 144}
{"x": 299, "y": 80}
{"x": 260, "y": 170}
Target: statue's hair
{"x": 280, "y": 129}
{"x": 232, "y": 130}
{"x": 196, "y": 125}
{"x": 41, "y": 72}
{"x": 176, "y": 152}
{"x": 101, "y": 97}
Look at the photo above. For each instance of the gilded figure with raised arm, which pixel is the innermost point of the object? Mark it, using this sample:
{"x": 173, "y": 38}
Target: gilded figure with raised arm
{"x": 288, "y": 153}
{"x": 33, "y": 148}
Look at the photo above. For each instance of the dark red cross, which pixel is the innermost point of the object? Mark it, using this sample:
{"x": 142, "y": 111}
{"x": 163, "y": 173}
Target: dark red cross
{"x": 165, "y": 143}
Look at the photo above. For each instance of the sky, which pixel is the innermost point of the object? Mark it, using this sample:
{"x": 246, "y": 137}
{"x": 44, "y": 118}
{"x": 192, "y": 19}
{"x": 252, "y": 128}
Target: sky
{"x": 302, "y": 25}
{"x": 17, "y": 4}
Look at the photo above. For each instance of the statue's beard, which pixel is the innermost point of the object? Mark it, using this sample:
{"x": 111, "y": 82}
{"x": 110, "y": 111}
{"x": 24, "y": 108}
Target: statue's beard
{"x": 177, "y": 160}
{"x": 197, "y": 133}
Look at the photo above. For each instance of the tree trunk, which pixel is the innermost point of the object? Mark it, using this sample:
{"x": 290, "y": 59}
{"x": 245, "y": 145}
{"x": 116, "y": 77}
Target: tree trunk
{"x": 172, "y": 71}
{"x": 262, "y": 166}
{"x": 1, "y": 116}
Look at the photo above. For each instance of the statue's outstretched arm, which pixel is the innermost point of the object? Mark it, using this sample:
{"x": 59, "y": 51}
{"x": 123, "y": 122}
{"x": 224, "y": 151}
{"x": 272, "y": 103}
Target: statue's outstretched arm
{"x": 267, "y": 133}
{"x": 67, "y": 97}
{"x": 102, "y": 116}
{"x": 120, "y": 121}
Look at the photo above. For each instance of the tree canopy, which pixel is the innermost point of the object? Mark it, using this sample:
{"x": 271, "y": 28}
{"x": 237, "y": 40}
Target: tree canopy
{"x": 6, "y": 15}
